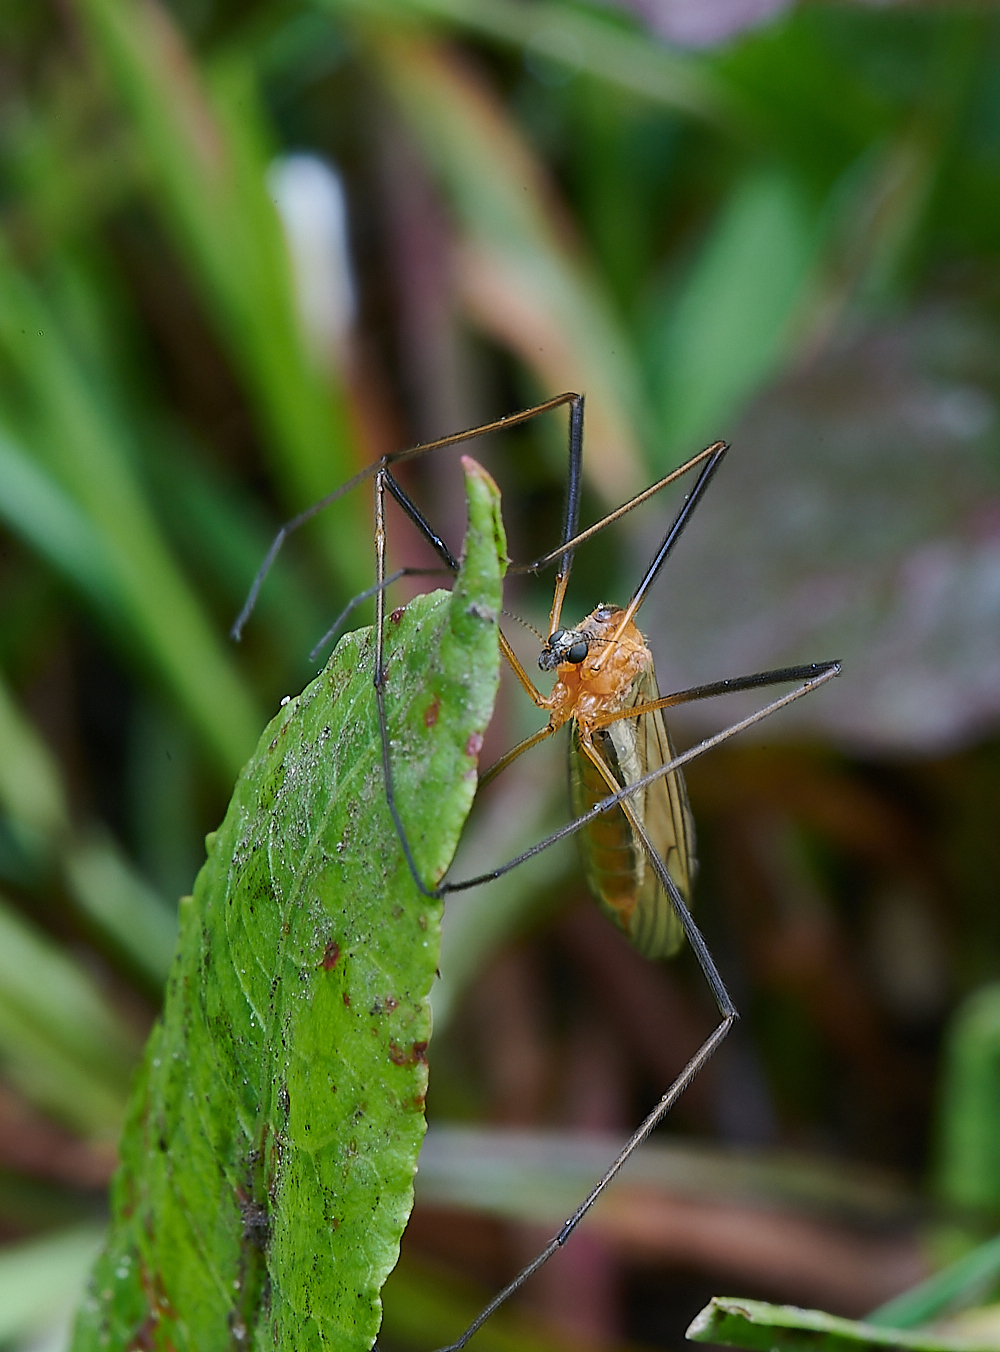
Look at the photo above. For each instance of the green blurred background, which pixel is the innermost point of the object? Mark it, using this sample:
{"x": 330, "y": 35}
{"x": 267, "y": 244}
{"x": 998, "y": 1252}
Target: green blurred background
{"x": 246, "y": 248}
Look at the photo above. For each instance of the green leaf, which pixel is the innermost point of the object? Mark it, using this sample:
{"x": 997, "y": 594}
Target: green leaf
{"x": 770, "y": 1328}
{"x": 729, "y": 328}
{"x": 969, "y": 1172}
{"x": 272, "y": 1139}
{"x": 963, "y": 1282}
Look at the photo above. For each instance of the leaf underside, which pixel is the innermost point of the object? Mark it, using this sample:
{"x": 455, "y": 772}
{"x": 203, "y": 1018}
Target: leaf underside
{"x": 268, "y": 1159}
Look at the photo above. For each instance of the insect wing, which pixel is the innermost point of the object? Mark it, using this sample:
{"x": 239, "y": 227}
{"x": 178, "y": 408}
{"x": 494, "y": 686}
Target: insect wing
{"x": 664, "y": 811}
{"x": 618, "y": 872}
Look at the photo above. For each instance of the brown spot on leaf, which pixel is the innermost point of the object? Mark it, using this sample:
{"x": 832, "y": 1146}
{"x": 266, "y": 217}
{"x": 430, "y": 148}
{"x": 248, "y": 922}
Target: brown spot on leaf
{"x": 347, "y": 1000}
{"x": 475, "y": 744}
{"x": 330, "y": 955}
{"x": 144, "y": 1339}
{"x": 431, "y": 713}
{"x": 417, "y": 1056}
{"x": 397, "y": 614}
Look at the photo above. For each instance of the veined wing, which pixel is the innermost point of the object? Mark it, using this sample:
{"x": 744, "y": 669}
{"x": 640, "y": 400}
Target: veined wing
{"x": 619, "y": 874}
{"x": 666, "y": 812}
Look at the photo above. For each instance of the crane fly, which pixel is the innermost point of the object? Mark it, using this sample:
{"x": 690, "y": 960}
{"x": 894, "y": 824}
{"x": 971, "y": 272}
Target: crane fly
{"x": 606, "y": 690}
{"x": 627, "y": 791}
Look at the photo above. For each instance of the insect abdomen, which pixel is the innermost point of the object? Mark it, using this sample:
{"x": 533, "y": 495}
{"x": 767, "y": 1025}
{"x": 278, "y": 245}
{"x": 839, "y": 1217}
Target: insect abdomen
{"x": 623, "y": 883}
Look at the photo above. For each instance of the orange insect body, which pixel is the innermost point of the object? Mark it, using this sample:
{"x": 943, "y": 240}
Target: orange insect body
{"x": 601, "y": 675}
{"x": 583, "y": 693}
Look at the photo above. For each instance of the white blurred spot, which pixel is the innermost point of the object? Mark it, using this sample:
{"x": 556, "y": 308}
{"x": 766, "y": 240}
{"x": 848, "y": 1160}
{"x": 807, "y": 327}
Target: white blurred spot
{"x": 309, "y": 195}
{"x": 965, "y": 411}
{"x": 703, "y": 23}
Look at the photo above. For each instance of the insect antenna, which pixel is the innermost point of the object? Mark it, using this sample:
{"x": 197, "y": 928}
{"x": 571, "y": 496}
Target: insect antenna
{"x": 509, "y": 614}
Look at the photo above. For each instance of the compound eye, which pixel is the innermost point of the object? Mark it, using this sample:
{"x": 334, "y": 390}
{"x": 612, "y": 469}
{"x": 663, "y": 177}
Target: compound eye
{"x": 578, "y": 652}
{"x": 555, "y": 638}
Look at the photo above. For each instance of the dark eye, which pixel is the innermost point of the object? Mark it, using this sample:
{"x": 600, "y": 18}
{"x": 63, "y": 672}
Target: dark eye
{"x": 578, "y": 652}
{"x": 555, "y": 638}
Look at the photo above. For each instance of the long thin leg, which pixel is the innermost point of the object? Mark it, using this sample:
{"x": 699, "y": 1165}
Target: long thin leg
{"x": 729, "y": 687}
{"x": 666, "y": 548}
{"x": 537, "y": 565}
{"x": 571, "y": 515}
{"x": 380, "y": 674}
{"x": 420, "y": 521}
{"x": 527, "y": 684}
{"x": 729, "y": 1016}
{"x": 383, "y": 481}
{"x": 614, "y": 799}
{"x": 510, "y": 756}
{"x": 691, "y": 930}
{"x": 398, "y": 457}
{"x": 365, "y": 595}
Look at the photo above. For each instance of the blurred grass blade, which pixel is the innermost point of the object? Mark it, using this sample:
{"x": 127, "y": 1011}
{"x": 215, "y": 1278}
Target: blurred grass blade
{"x": 539, "y": 1176}
{"x": 40, "y": 1281}
{"x": 729, "y": 328}
{"x": 785, "y": 1328}
{"x": 586, "y": 42}
{"x": 969, "y": 1170}
{"x": 103, "y": 882}
{"x": 31, "y": 790}
{"x": 206, "y": 152}
{"x": 38, "y": 510}
{"x": 125, "y": 908}
{"x": 962, "y": 1283}
{"x": 223, "y": 534}
{"x": 60, "y": 1041}
{"x": 268, "y": 1161}
{"x": 81, "y": 437}
{"x": 876, "y": 212}
{"x": 521, "y": 281}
